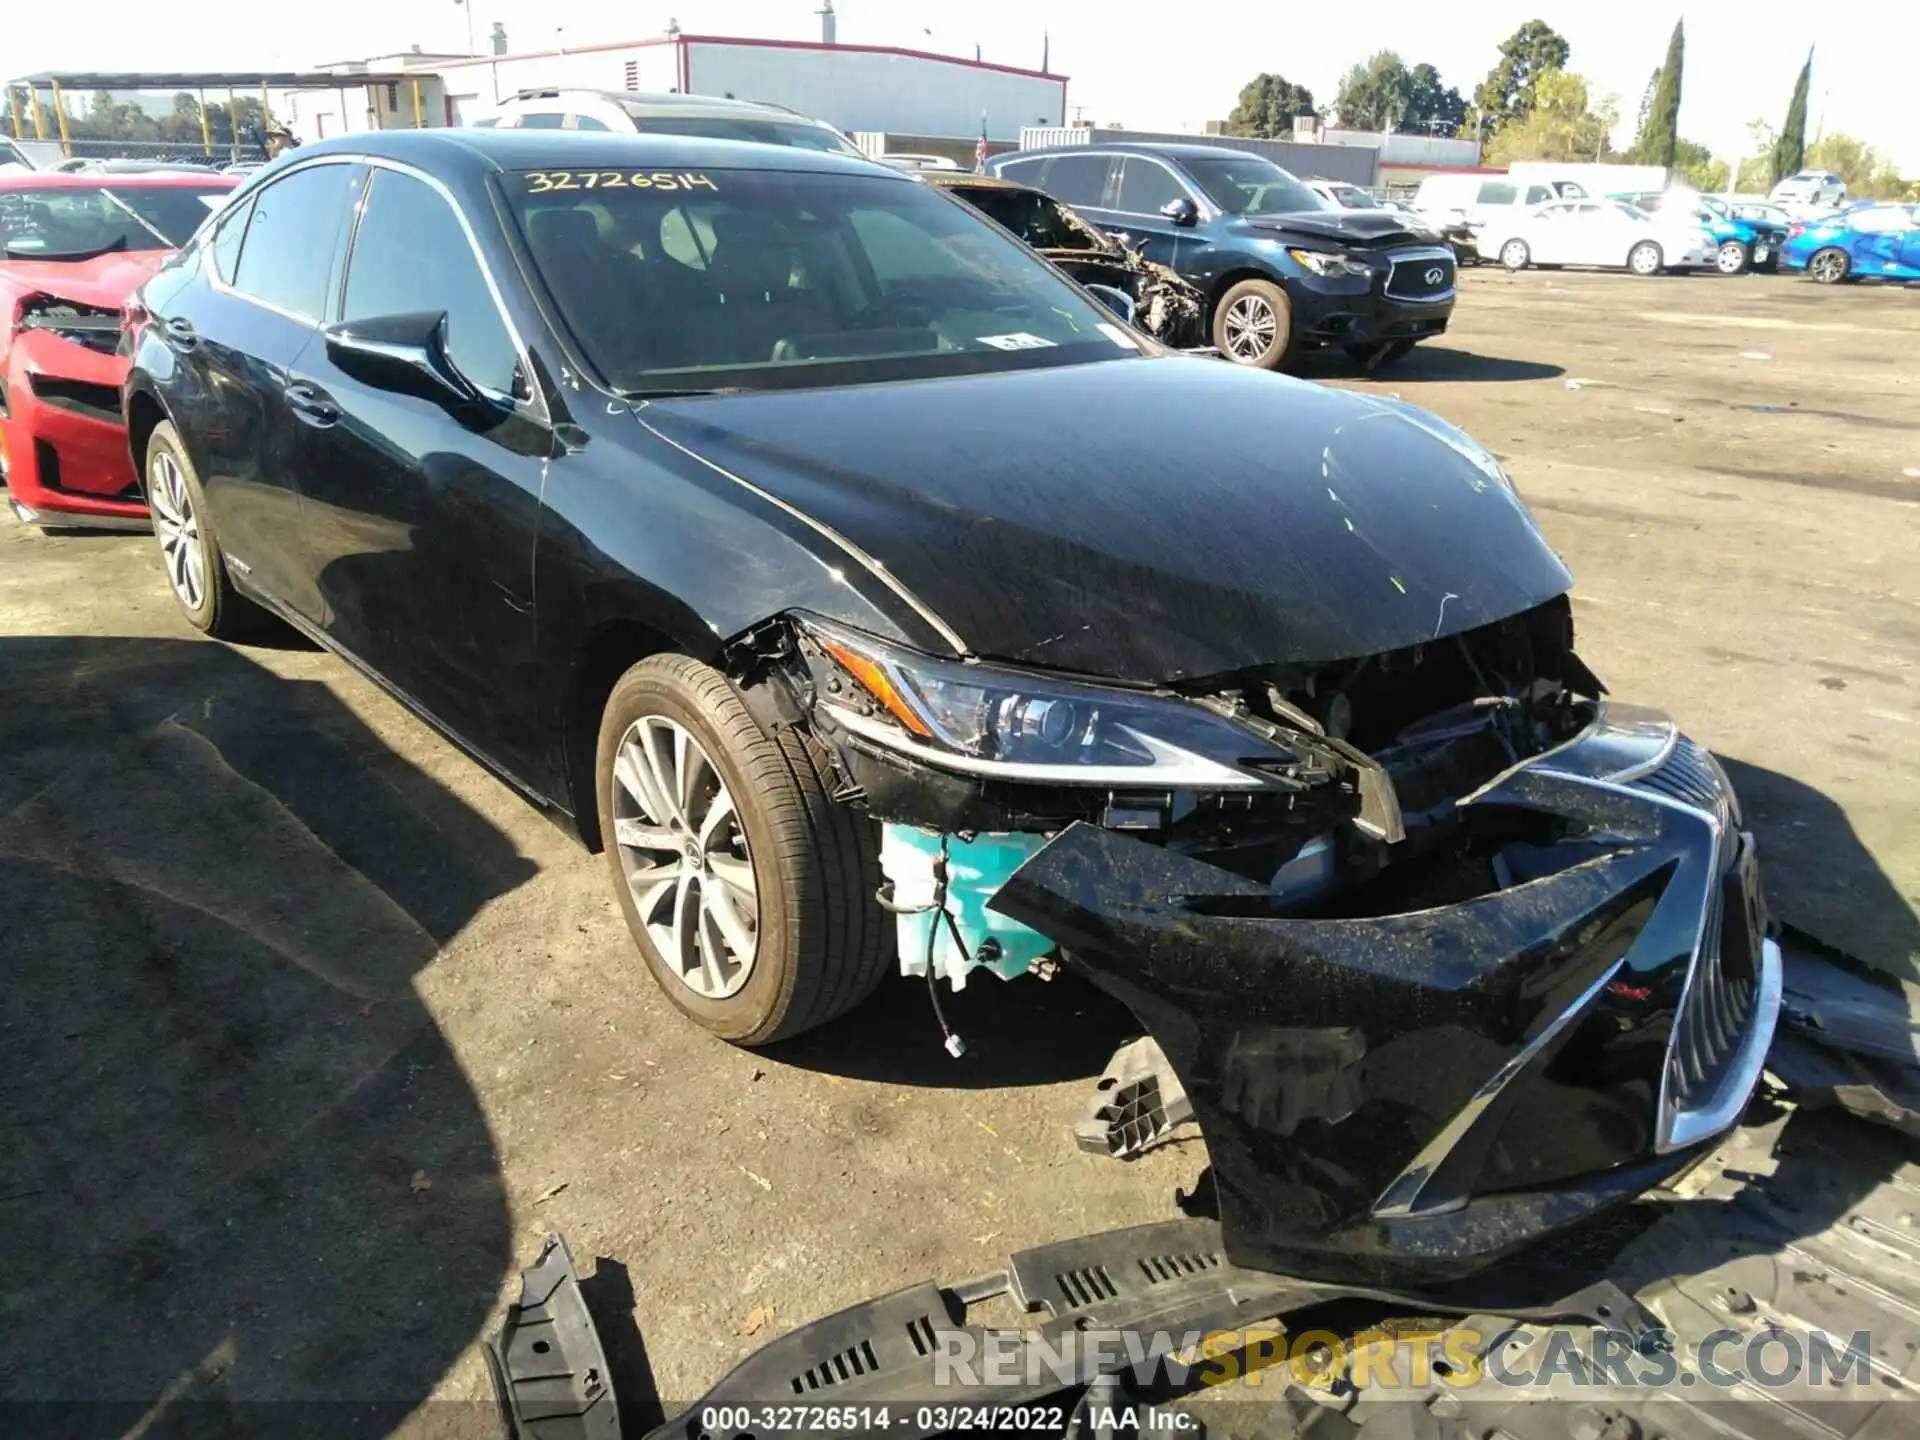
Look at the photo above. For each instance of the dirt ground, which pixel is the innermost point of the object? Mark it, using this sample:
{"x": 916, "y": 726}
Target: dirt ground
{"x": 312, "y": 1029}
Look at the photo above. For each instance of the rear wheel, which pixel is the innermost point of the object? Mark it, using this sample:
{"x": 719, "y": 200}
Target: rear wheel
{"x": 1645, "y": 258}
{"x": 189, "y": 547}
{"x": 1830, "y": 266}
{"x": 1732, "y": 258}
{"x": 746, "y": 887}
{"x": 1515, "y": 255}
{"x": 1253, "y": 325}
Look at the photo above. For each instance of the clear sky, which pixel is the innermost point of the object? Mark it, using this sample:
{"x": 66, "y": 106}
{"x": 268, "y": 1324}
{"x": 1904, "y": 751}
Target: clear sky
{"x": 1138, "y": 63}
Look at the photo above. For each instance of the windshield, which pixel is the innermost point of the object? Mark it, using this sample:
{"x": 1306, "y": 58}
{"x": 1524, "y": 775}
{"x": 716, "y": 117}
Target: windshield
{"x": 722, "y": 279}
{"x": 1248, "y": 185}
{"x": 795, "y": 134}
{"x": 77, "y": 222}
{"x": 1353, "y": 199}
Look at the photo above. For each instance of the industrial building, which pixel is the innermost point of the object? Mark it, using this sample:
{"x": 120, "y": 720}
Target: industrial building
{"x": 883, "y": 96}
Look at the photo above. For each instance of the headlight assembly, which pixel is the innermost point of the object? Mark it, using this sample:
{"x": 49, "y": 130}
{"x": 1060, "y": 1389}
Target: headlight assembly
{"x": 1020, "y": 725}
{"x": 1328, "y": 262}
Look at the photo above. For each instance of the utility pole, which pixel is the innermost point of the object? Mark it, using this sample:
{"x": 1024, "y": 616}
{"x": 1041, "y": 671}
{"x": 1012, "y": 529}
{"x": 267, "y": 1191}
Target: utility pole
{"x": 467, "y": 5}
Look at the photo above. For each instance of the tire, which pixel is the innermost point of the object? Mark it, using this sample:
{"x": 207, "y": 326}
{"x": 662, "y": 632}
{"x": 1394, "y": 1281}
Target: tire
{"x": 1515, "y": 255}
{"x": 1371, "y": 357}
{"x": 819, "y": 943}
{"x": 1646, "y": 258}
{"x": 1239, "y": 333}
{"x": 1830, "y": 266}
{"x": 189, "y": 545}
{"x": 1732, "y": 258}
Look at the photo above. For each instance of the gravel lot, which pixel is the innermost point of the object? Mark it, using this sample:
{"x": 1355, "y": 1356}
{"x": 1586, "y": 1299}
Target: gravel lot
{"x": 313, "y": 1029}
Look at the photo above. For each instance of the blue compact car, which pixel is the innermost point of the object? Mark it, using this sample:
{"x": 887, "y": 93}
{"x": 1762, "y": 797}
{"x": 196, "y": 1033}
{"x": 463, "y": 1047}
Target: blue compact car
{"x": 1871, "y": 242}
{"x": 1741, "y": 242}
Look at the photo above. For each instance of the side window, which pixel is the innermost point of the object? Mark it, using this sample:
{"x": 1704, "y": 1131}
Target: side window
{"x": 1145, "y": 187}
{"x": 1027, "y": 172}
{"x": 542, "y": 120}
{"x": 224, "y": 248}
{"x": 585, "y": 122}
{"x": 1494, "y": 193}
{"x": 412, "y": 254}
{"x": 288, "y": 254}
{"x": 1078, "y": 179}
{"x": 1539, "y": 194}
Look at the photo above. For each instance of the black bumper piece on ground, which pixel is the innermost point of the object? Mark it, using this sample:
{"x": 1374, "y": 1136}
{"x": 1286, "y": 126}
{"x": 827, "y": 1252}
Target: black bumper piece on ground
{"x": 1407, "y": 1098}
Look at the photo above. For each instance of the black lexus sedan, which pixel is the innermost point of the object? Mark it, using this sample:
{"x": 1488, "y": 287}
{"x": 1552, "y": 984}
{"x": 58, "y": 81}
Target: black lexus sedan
{"x": 872, "y": 597}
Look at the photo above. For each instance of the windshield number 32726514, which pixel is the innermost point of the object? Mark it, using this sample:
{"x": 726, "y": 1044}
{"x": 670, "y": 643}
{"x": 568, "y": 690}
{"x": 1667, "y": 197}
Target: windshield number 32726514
{"x": 541, "y": 181}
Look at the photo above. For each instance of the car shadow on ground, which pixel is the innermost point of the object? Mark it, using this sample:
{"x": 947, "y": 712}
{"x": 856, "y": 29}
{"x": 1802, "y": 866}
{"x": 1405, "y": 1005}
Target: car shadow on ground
{"x": 247, "y": 1186}
{"x": 1017, "y": 1032}
{"x": 1433, "y": 364}
{"x": 1817, "y": 875}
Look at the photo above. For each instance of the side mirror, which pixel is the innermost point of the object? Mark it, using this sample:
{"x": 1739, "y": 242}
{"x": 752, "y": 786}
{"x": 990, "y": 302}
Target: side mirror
{"x": 406, "y": 354}
{"x": 1118, "y": 301}
{"x": 1182, "y": 212}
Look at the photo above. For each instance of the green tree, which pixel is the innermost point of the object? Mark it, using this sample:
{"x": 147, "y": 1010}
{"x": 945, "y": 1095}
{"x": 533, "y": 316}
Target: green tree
{"x": 1694, "y": 163}
{"x": 1659, "y": 134}
{"x": 1790, "y": 147}
{"x": 1511, "y": 88}
{"x": 1267, "y": 107}
{"x": 1646, "y": 104}
{"x": 1562, "y": 124}
{"x": 1431, "y": 106}
{"x": 1869, "y": 174}
{"x": 1374, "y": 96}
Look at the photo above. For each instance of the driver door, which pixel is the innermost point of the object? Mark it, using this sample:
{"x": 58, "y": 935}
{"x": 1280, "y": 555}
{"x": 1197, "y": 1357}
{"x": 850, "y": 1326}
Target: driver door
{"x": 422, "y": 508}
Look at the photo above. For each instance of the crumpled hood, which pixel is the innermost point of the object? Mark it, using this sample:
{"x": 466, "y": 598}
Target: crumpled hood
{"x": 1146, "y": 519}
{"x": 105, "y": 280}
{"x": 1366, "y": 228}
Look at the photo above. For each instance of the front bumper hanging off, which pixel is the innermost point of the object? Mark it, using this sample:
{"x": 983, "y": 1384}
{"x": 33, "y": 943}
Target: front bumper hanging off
{"x": 1410, "y": 1097}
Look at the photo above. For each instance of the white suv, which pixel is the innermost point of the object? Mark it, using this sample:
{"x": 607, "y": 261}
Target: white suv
{"x": 1810, "y": 187}
{"x": 706, "y": 117}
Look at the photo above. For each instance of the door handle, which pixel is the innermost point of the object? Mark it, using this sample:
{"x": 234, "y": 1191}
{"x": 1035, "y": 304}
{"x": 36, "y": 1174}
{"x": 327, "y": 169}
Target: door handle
{"x": 311, "y": 405}
{"x": 180, "y": 332}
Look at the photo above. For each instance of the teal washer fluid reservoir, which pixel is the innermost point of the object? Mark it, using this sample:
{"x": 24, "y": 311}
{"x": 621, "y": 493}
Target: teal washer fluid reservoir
{"x": 976, "y": 868}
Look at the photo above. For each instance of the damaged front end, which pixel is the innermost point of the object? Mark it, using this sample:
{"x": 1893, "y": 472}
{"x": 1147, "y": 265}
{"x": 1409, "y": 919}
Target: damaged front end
{"x": 1446, "y": 953}
{"x": 1165, "y": 305}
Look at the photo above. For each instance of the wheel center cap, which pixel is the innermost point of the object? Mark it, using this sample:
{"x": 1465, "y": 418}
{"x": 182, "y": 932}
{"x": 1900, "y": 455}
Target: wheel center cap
{"x": 696, "y": 857}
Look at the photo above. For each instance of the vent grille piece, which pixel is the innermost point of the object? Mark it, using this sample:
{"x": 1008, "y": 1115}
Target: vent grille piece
{"x": 1087, "y": 1286}
{"x": 1159, "y": 1269}
{"x": 854, "y": 1361}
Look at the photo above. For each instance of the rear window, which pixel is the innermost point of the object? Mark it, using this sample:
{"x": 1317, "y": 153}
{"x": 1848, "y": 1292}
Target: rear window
{"x": 74, "y": 223}
{"x": 758, "y": 279}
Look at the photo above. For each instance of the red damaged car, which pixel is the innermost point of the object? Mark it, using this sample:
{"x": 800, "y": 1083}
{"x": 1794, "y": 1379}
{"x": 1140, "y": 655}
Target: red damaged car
{"x": 73, "y": 248}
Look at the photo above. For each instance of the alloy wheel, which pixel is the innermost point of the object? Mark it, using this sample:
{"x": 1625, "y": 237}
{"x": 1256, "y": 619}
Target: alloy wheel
{"x": 1513, "y": 255}
{"x": 1732, "y": 258}
{"x": 1644, "y": 259}
{"x": 684, "y": 856}
{"x": 178, "y": 527}
{"x": 1250, "y": 328}
{"x": 1829, "y": 267}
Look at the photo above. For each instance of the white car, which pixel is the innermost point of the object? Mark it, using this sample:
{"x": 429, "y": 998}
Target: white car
{"x": 708, "y": 117}
{"x": 1819, "y": 189}
{"x": 1606, "y": 233}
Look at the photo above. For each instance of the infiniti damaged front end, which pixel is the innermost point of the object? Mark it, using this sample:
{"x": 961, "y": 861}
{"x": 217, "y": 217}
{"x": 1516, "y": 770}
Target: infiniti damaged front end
{"x": 1448, "y": 952}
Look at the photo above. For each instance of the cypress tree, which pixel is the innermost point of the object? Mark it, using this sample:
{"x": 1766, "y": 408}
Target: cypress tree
{"x": 1790, "y": 149}
{"x": 1662, "y": 133}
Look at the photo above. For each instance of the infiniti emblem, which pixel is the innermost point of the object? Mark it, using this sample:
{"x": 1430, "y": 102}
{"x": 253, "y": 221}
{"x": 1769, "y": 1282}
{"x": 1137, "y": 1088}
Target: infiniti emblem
{"x": 1436, "y": 275}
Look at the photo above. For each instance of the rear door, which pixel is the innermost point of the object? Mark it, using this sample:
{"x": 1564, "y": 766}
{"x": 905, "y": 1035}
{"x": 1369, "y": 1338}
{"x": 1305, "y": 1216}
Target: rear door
{"x": 421, "y": 513}
{"x": 268, "y": 269}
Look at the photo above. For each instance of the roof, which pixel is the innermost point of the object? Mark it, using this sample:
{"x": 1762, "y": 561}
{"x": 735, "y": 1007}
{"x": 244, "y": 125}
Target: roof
{"x": 137, "y": 180}
{"x": 967, "y": 180}
{"x": 1168, "y": 151}
{"x": 209, "y": 79}
{"x": 496, "y": 149}
{"x": 755, "y": 43}
{"x": 642, "y": 103}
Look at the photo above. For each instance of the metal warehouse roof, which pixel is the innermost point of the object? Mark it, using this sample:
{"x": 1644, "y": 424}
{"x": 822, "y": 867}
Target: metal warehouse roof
{"x": 212, "y": 79}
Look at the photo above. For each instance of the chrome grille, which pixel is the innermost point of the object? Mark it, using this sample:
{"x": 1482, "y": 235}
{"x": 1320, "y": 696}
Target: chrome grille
{"x": 1689, "y": 775}
{"x": 1719, "y": 1003}
{"x": 1409, "y": 278}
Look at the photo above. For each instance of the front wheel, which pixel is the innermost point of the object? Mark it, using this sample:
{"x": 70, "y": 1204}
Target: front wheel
{"x": 1515, "y": 255}
{"x": 1830, "y": 266}
{"x": 748, "y": 890}
{"x": 1645, "y": 258}
{"x": 1253, "y": 325}
{"x": 1732, "y": 258}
